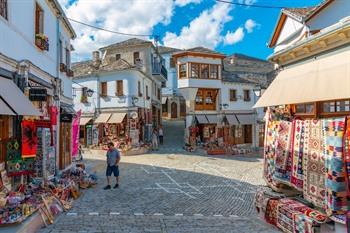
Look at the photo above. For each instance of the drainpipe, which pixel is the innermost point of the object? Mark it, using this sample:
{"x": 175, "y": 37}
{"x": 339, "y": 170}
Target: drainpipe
{"x": 57, "y": 92}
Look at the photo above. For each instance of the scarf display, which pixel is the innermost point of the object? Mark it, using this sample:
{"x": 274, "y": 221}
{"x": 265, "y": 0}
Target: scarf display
{"x": 29, "y": 139}
{"x": 336, "y": 197}
{"x": 297, "y": 176}
{"x": 314, "y": 164}
{"x": 283, "y": 153}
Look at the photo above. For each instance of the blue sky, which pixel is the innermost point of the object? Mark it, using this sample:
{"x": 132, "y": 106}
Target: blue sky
{"x": 179, "y": 23}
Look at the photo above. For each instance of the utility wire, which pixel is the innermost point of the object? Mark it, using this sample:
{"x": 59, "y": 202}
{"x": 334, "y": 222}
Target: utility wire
{"x": 108, "y": 30}
{"x": 250, "y": 5}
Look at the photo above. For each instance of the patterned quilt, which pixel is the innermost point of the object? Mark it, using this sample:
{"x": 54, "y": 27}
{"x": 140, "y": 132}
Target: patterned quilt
{"x": 336, "y": 197}
{"x": 313, "y": 163}
{"x": 283, "y": 153}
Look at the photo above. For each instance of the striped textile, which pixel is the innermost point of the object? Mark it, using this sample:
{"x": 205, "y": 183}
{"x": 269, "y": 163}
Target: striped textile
{"x": 336, "y": 200}
{"x": 297, "y": 176}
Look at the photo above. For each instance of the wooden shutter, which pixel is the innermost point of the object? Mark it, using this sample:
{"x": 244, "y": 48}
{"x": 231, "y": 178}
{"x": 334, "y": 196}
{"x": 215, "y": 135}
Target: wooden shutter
{"x": 119, "y": 87}
{"x": 103, "y": 88}
{"x": 3, "y": 8}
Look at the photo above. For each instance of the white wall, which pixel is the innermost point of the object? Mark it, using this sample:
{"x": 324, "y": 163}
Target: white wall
{"x": 171, "y": 83}
{"x": 290, "y": 26}
{"x": 330, "y": 15}
{"x": 239, "y": 104}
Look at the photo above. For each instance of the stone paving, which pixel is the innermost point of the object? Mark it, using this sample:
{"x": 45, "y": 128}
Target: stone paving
{"x": 170, "y": 192}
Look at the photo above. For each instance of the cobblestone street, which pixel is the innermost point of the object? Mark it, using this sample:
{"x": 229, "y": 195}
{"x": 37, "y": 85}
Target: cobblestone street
{"x": 170, "y": 192}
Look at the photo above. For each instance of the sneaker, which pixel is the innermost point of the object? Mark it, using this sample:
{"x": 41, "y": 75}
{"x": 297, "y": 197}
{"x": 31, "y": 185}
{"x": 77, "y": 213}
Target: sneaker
{"x": 116, "y": 186}
{"x": 107, "y": 187}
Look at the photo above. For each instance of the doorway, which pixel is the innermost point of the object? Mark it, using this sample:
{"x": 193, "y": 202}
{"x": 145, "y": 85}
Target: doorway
{"x": 173, "y": 110}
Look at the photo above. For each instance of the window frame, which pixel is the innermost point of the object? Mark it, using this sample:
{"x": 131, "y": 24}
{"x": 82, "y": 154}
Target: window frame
{"x": 68, "y": 58}
{"x": 183, "y": 73}
{"x": 211, "y": 72}
{"x": 118, "y": 56}
{"x": 119, "y": 88}
{"x": 4, "y": 9}
{"x": 233, "y": 97}
{"x": 172, "y": 63}
{"x": 139, "y": 88}
{"x": 246, "y": 98}
{"x": 201, "y": 71}
{"x": 136, "y": 55}
{"x": 39, "y": 25}
{"x": 198, "y": 65}
{"x": 322, "y": 113}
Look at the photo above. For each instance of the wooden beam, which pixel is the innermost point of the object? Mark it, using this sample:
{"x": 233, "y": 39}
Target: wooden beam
{"x": 322, "y": 44}
{"x": 306, "y": 49}
{"x": 342, "y": 35}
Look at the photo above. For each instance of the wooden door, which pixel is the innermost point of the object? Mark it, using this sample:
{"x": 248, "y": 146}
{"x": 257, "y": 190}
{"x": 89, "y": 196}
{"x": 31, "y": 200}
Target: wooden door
{"x": 247, "y": 133}
{"x": 173, "y": 110}
{"x": 261, "y": 134}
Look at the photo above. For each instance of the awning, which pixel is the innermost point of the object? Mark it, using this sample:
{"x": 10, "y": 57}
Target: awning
{"x": 164, "y": 99}
{"x": 325, "y": 78}
{"x": 245, "y": 119}
{"x": 15, "y": 100}
{"x": 84, "y": 120}
{"x": 212, "y": 119}
{"x": 201, "y": 119}
{"x": 117, "y": 118}
{"x": 103, "y": 118}
{"x": 67, "y": 109}
{"x": 4, "y": 109}
{"x": 232, "y": 120}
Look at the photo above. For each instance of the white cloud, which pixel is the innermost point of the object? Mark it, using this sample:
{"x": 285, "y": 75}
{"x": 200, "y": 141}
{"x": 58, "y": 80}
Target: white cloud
{"x": 132, "y": 16}
{"x": 247, "y": 2}
{"x": 234, "y": 37}
{"x": 250, "y": 25}
{"x": 205, "y": 30}
{"x": 182, "y": 3}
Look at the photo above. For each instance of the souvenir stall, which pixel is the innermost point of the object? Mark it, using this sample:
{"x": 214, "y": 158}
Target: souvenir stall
{"x": 307, "y": 171}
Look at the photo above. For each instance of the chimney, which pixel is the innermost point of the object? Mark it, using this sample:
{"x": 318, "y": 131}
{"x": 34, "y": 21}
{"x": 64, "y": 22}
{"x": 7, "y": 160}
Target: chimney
{"x": 96, "y": 58}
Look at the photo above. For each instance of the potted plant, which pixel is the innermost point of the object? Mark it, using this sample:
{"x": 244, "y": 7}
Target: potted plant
{"x": 42, "y": 42}
{"x": 70, "y": 73}
{"x": 63, "y": 67}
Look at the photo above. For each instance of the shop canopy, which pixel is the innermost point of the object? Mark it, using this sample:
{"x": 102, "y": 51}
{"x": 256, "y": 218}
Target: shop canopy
{"x": 164, "y": 99}
{"x": 103, "y": 118}
{"x": 246, "y": 119}
{"x": 15, "y": 100}
{"x": 202, "y": 119}
{"x": 117, "y": 118}
{"x": 212, "y": 119}
{"x": 321, "y": 79}
{"x": 232, "y": 119}
{"x": 84, "y": 120}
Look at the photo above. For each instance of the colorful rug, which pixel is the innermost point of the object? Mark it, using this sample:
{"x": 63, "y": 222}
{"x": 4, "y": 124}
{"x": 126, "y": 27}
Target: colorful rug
{"x": 297, "y": 176}
{"x": 347, "y": 153}
{"x": 285, "y": 215}
{"x": 336, "y": 199}
{"x": 283, "y": 153}
{"x": 271, "y": 211}
{"x": 269, "y": 152}
{"x": 314, "y": 164}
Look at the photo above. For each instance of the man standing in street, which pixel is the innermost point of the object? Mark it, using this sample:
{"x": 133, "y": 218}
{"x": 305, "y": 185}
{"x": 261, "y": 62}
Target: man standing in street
{"x": 113, "y": 158}
{"x": 161, "y": 134}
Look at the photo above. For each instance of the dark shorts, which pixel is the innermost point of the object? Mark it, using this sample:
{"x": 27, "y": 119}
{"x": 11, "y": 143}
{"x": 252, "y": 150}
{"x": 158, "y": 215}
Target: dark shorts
{"x": 112, "y": 169}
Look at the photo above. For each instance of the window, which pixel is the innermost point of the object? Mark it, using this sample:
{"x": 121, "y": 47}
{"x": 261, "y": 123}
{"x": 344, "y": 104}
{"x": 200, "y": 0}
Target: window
{"x": 194, "y": 70}
{"x": 68, "y": 58}
{"x": 246, "y": 95}
{"x": 172, "y": 62}
{"x": 206, "y": 99}
{"x": 214, "y": 71}
{"x": 136, "y": 57}
{"x": 204, "y": 71}
{"x": 103, "y": 89}
{"x": 182, "y": 71}
{"x": 336, "y": 106}
{"x": 60, "y": 50}
{"x": 158, "y": 93}
{"x": 147, "y": 96}
{"x": 117, "y": 56}
{"x": 233, "y": 96}
{"x": 3, "y": 8}
{"x": 139, "y": 88}
{"x": 39, "y": 19}
{"x": 307, "y": 108}
{"x": 84, "y": 96}
{"x": 199, "y": 98}
{"x": 119, "y": 88}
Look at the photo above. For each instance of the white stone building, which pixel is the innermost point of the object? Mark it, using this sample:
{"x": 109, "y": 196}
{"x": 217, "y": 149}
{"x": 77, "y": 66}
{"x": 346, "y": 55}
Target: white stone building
{"x": 125, "y": 80}
{"x": 35, "y": 46}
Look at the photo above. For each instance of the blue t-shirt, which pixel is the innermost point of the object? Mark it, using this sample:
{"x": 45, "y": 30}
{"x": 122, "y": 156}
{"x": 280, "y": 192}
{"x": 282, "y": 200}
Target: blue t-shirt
{"x": 112, "y": 157}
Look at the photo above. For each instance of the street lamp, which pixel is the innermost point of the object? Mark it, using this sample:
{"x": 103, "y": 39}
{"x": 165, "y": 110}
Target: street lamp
{"x": 257, "y": 92}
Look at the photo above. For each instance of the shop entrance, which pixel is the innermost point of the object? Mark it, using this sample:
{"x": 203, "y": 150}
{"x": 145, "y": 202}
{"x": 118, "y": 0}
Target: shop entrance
{"x": 247, "y": 133}
{"x": 173, "y": 110}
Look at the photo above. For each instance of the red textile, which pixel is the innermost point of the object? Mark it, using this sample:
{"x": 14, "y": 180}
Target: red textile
{"x": 29, "y": 139}
{"x": 53, "y": 115}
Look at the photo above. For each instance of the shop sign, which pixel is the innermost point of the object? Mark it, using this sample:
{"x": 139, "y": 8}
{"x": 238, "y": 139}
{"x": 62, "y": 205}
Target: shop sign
{"x": 66, "y": 117}
{"x": 37, "y": 94}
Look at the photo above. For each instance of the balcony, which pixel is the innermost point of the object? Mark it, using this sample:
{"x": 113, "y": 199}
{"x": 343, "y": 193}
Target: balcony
{"x": 158, "y": 69}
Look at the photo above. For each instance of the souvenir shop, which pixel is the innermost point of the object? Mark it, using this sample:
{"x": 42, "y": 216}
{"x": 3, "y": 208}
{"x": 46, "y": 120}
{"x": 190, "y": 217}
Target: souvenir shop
{"x": 28, "y": 184}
